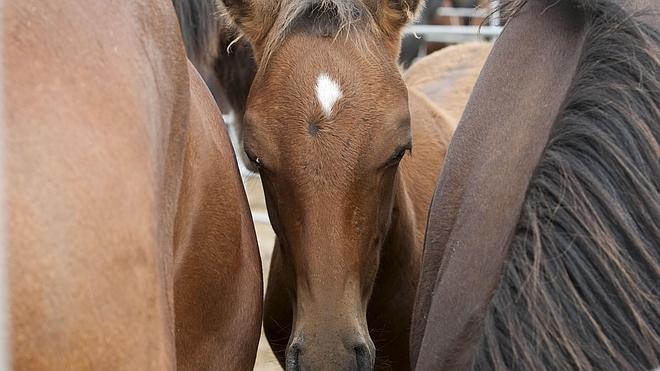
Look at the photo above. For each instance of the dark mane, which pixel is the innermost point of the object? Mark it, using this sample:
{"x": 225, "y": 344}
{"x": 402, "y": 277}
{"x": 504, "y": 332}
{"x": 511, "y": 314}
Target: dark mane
{"x": 200, "y": 29}
{"x": 225, "y": 61}
{"x": 580, "y": 287}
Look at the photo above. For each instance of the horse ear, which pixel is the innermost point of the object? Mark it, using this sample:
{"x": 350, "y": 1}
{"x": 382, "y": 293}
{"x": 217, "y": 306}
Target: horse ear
{"x": 398, "y": 13}
{"x": 247, "y": 15}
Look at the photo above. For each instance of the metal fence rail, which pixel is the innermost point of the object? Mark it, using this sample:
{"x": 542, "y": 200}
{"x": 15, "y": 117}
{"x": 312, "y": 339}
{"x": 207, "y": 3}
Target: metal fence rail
{"x": 454, "y": 34}
{"x": 462, "y": 12}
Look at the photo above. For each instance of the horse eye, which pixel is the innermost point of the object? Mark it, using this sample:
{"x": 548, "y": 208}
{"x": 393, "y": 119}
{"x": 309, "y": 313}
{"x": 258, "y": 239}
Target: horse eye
{"x": 254, "y": 159}
{"x": 398, "y": 154}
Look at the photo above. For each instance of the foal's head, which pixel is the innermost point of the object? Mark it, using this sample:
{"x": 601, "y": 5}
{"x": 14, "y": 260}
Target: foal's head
{"x": 327, "y": 123}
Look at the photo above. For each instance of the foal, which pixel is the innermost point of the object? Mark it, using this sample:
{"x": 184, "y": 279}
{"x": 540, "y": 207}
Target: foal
{"x": 327, "y": 125}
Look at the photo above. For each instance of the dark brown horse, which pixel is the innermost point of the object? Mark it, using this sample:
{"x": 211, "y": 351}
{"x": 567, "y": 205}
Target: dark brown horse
{"x": 124, "y": 206}
{"x": 542, "y": 249}
{"x": 329, "y": 121}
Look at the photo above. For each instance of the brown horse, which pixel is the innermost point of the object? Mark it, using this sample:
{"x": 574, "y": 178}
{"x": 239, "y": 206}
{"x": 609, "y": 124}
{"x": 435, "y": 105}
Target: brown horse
{"x": 123, "y": 200}
{"x": 328, "y": 123}
{"x": 542, "y": 244}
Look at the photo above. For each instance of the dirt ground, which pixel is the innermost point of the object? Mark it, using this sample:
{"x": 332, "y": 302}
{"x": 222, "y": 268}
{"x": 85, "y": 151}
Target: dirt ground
{"x": 265, "y": 359}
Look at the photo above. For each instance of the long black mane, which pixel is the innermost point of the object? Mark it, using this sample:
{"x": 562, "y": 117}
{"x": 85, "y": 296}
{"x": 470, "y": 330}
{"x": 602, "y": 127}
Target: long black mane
{"x": 580, "y": 288}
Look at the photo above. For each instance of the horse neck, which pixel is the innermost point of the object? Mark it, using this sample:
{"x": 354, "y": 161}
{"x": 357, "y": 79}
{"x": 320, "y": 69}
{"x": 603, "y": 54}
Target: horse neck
{"x": 476, "y": 206}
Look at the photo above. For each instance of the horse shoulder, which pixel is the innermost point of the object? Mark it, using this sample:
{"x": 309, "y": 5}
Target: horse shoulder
{"x": 217, "y": 278}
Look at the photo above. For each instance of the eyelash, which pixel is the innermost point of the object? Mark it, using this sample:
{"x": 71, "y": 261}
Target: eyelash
{"x": 255, "y": 160}
{"x": 397, "y": 158}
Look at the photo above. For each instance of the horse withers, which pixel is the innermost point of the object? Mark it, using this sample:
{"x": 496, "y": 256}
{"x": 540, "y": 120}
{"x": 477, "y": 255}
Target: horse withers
{"x": 123, "y": 200}
{"x": 328, "y": 125}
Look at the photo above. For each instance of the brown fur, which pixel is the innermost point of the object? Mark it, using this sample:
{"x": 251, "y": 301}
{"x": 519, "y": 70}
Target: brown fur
{"x": 336, "y": 269}
{"x": 217, "y": 271}
{"x": 349, "y": 220}
{"x": 446, "y": 77}
{"x": 100, "y": 106}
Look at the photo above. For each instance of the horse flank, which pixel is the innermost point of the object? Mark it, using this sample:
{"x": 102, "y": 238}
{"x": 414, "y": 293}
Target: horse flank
{"x": 579, "y": 289}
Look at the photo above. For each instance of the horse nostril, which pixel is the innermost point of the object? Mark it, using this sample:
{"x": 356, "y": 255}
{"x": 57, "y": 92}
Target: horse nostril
{"x": 292, "y": 354}
{"x": 363, "y": 357}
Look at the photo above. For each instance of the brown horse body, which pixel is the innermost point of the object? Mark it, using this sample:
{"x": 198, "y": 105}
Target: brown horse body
{"x": 217, "y": 269}
{"x": 542, "y": 242}
{"x": 123, "y": 198}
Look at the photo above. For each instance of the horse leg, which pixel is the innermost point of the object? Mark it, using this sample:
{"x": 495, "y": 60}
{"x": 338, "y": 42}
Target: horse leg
{"x": 389, "y": 317}
{"x": 390, "y": 307}
{"x": 278, "y": 316}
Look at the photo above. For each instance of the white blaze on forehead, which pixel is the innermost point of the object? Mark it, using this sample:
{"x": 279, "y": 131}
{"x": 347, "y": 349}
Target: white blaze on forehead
{"x": 327, "y": 92}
